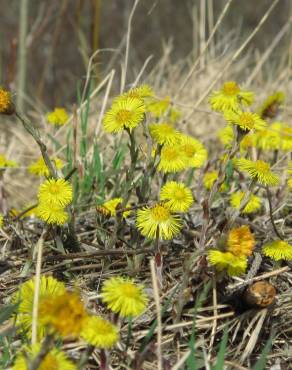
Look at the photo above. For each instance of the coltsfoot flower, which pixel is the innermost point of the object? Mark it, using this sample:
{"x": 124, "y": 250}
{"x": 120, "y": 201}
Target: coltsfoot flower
{"x": 109, "y": 207}
{"x": 58, "y": 117}
{"x": 278, "y": 250}
{"x": 53, "y": 360}
{"x": 164, "y": 133}
{"x": 240, "y": 241}
{"x": 158, "y": 221}
{"x": 271, "y": 105}
{"x": 125, "y": 113}
{"x": 55, "y": 191}
{"x": 6, "y": 103}
{"x": 64, "y": 314}
{"x": 177, "y": 195}
{"x": 253, "y": 205}
{"x": 230, "y": 97}
{"x": 172, "y": 160}
{"x": 51, "y": 213}
{"x": 194, "y": 151}
{"x": 40, "y": 168}
{"x": 245, "y": 120}
{"x": 234, "y": 265}
{"x": 258, "y": 170}
{"x": 5, "y": 163}
{"x": 99, "y": 332}
{"x": 49, "y": 289}
{"x": 124, "y": 296}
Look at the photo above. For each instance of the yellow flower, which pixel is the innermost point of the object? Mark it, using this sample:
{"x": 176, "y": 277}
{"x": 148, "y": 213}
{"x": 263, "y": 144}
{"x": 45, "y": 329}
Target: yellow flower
{"x": 245, "y": 120}
{"x": 240, "y": 241}
{"x": 285, "y": 133}
{"x": 230, "y": 97}
{"x": 49, "y": 288}
{"x": 40, "y": 168}
{"x": 267, "y": 139}
{"x": 160, "y": 107}
{"x": 209, "y": 179}
{"x": 172, "y": 160}
{"x": 289, "y": 182}
{"x": 111, "y": 205}
{"x": 253, "y": 204}
{"x": 53, "y": 360}
{"x": 58, "y": 117}
{"x": 55, "y": 191}
{"x": 51, "y": 213}
{"x": 99, "y": 332}
{"x": 248, "y": 141}
{"x": 64, "y": 314}
{"x": 125, "y": 113}
{"x": 140, "y": 92}
{"x": 234, "y": 265}
{"x": 177, "y": 195}
{"x": 158, "y": 221}
{"x": 1, "y": 220}
{"x": 194, "y": 151}
{"x": 258, "y": 170}
{"x": 270, "y": 106}
{"x": 226, "y": 136}
{"x": 164, "y": 133}
{"x": 124, "y": 296}
{"x": 5, "y": 163}
{"x": 278, "y": 250}
{"x": 6, "y": 104}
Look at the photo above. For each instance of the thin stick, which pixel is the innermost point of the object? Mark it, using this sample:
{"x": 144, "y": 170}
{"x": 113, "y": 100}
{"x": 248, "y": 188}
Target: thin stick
{"x": 39, "y": 247}
{"x": 158, "y": 313}
{"x": 124, "y": 74}
{"x": 271, "y": 214}
{"x": 192, "y": 70}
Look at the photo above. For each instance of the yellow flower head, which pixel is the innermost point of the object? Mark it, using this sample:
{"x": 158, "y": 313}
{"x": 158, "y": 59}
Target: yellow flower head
{"x": 230, "y": 97}
{"x": 125, "y": 113}
{"x": 64, "y": 314}
{"x": 172, "y": 160}
{"x": 278, "y": 250}
{"x": 111, "y": 205}
{"x": 53, "y": 360}
{"x": 140, "y": 92}
{"x": 6, "y": 103}
{"x": 49, "y": 288}
{"x": 58, "y": 117}
{"x": 258, "y": 170}
{"x": 5, "y": 163}
{"x": 158, "y": 221}
{"x": 193, "y": 150}
{"x": 51, "y": 213}
{"x": 248, "y": 141}
{"x": 240, "y": 241}
{"x": 40, "y": 168}
{"x": 253, "y": 204}
{"x": 289, "y": 182}
{"x": 158, "y": 108}
{"x": 99, "y": 332}
{"x": 177, "y": 195}
{"x": 164, "y": 133}
{"x": 234, "y": 265}
{"x": 270, "y": 106}
{"x": 1, "y": 220}
{"x": 267, "y": 139}
{"x": 226, "y": 136}
{"x": 245, "y": 120}
{"x": 124, "y": 296}
{"x": 55, "y": 191}
{"x": 209, "y": 179}
{"x": 285, "y": 133}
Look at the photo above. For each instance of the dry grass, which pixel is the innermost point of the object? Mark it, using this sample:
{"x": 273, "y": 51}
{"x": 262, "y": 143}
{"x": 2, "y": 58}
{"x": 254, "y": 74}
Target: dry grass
{"x": 184, "y": 273}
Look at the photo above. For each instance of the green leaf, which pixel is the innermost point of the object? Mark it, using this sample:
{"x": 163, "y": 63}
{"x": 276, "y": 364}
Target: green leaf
{"x": 221, "y": 354}
{"x": 7, "y": 311}
{"x": 261, "y": 362}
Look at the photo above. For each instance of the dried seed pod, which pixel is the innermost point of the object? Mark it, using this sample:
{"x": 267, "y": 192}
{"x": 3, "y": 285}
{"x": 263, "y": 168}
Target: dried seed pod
{"x": 260, "y": 294}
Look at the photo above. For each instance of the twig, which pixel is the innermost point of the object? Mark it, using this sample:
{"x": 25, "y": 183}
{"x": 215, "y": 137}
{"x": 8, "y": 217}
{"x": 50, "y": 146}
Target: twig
{"x": 39, "y": 247}
{"x": 158, "y": 313}
{"x": 271, "y": 214}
